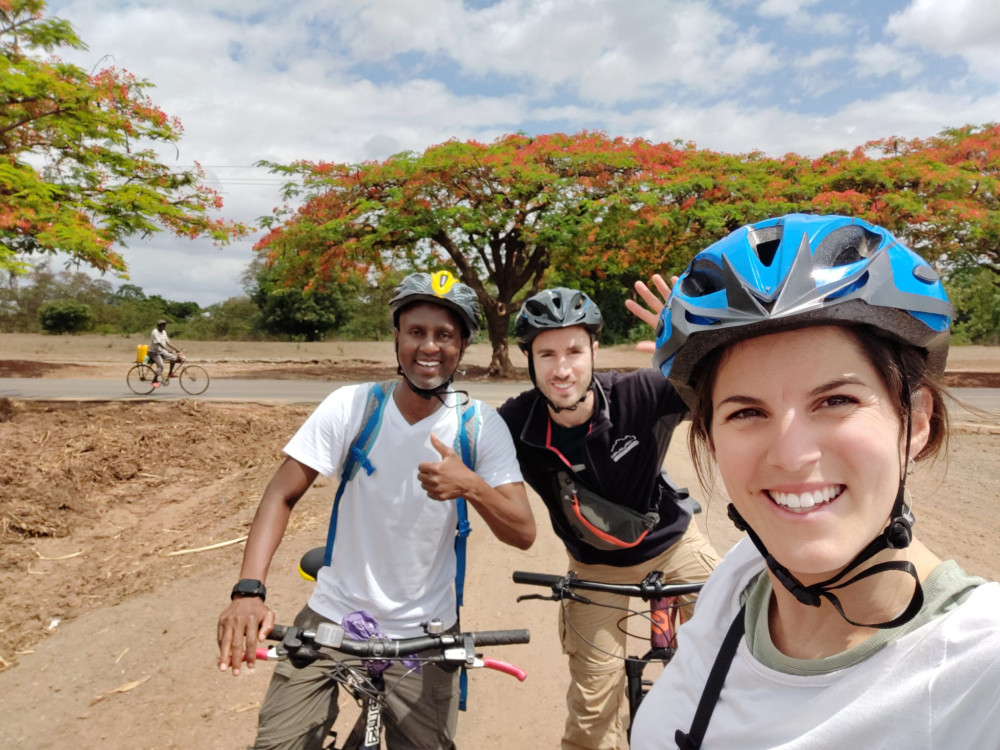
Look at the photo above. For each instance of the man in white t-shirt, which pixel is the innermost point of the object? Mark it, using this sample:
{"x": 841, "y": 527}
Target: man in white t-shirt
{"x": 394, "y": 555}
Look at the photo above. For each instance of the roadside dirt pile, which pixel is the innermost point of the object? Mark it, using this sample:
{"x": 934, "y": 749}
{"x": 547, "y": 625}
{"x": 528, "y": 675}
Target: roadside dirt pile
{"x": 129, "y": 483}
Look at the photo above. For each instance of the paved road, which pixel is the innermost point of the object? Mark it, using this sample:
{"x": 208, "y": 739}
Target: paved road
{"x": 220, "y": 389}
{"x": 311, "y": 391}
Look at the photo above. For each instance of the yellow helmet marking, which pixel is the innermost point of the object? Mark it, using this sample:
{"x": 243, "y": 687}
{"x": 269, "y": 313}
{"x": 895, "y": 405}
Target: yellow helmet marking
{"x": 441, "y": 282}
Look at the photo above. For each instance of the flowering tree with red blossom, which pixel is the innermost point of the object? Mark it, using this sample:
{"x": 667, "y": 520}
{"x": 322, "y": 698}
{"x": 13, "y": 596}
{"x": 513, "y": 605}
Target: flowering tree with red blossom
{"x": 79, "y": 172}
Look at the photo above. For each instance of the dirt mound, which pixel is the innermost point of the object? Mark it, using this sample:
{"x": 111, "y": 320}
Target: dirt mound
{"x": 130, "y": 482}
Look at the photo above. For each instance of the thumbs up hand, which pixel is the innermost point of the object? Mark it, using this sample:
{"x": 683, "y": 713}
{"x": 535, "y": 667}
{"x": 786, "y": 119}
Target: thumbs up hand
{"x": 444, "y": 479}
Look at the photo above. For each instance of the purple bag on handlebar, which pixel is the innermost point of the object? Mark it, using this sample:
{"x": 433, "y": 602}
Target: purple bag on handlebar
{"x": 361, "y": 626}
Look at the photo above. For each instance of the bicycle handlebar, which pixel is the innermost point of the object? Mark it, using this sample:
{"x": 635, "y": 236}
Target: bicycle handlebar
{"x": 651, "y": 587}
{"x": 333, "y": 636}
{"x": 455, "y": 648}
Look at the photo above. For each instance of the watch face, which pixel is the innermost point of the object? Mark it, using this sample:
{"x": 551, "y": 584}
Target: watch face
{"x": 248, "y": 587}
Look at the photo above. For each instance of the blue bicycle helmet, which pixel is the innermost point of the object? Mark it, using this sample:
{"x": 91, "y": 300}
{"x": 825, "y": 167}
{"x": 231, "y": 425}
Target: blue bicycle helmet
{"x": 795, "y": 271}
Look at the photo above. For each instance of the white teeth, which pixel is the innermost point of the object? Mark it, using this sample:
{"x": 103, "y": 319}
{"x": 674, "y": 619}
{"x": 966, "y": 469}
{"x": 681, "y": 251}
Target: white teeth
{"x": 806, "y": 499}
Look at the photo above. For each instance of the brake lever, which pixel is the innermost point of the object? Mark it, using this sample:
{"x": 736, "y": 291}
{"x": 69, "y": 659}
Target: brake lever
{"x": 556, "y": 597}
{"x": 525, "y": 597}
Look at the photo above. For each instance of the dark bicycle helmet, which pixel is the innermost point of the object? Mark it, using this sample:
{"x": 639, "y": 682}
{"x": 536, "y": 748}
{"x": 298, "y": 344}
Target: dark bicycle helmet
{"x": 795, "y": 271}
{"x": 439, "y": 288}
{"x": 556, "y": 308}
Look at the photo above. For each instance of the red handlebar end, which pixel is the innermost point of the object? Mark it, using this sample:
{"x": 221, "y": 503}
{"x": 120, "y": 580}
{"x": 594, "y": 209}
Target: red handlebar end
{"x": 502, "y": 666}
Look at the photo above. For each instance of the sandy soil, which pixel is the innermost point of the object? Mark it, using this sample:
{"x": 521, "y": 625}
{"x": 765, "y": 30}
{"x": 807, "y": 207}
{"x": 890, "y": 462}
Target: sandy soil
{"x": 107, "y": 629}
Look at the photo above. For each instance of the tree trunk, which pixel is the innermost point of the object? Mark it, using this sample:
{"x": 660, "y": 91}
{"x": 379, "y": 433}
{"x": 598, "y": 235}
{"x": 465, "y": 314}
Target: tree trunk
{"x": 497, "y": 326}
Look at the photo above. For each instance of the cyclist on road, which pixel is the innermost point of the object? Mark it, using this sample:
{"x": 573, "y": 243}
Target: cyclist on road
{"x": 161, "y": 349}
{"x": 809, "y": 349}
{"x": 394, "y": 555}
{"x": 592, "y": 446}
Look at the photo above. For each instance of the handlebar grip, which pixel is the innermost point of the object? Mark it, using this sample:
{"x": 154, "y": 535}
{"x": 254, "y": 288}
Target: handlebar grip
{"x": 501, "y": 637}
{"x": 277, "y": 632}
{"x": 535, "y": 579}
{"x": 502, "y": 666}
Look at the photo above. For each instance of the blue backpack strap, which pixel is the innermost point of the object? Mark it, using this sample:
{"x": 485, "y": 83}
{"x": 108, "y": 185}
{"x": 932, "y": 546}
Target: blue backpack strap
{"x": 466, "y": 440}
{"x": 466, "y": 446}
{"x": 357, "y": 456}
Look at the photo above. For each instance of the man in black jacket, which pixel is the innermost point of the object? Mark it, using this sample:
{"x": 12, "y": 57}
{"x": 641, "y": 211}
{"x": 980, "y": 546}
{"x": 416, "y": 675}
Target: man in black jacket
{"x": 592, "y": 446}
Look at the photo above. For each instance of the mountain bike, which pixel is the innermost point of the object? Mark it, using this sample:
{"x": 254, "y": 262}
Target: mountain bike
{"x": 193, "y": 378}
{"x": 362, "y": 676}
{"x": 664, "y": 617}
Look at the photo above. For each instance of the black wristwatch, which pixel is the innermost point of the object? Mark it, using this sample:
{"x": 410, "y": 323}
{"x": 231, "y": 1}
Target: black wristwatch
{"x": 249, "y": 587}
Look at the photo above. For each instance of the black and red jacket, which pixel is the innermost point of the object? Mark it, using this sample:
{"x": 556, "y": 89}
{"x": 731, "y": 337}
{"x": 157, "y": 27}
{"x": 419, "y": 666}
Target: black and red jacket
{"x": 634, "y": 419}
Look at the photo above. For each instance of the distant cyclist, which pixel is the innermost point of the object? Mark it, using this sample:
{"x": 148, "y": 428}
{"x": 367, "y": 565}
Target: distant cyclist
{"x": 810, "y": 350}
{"x": 161, "y": 349}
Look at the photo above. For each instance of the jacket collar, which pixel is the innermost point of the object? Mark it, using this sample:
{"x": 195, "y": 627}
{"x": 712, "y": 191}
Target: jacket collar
{"x": 536, "y": 425}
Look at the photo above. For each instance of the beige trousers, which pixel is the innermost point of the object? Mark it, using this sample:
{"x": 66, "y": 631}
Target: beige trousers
{"x": 598, "y": 706}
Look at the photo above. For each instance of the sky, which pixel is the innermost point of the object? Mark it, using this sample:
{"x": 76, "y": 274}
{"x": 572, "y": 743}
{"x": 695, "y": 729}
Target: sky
{"x": 358, "y": 80}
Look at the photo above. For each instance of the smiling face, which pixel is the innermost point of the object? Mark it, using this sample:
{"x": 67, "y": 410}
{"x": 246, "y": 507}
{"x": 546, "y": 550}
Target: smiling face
{"x": 808, "y": 443}
{"x": 429, "y": 344}
{"x": 563, "y": 359}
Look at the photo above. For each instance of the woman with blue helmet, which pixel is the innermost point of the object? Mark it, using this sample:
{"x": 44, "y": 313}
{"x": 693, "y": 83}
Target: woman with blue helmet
{"x": 808, "y": 349}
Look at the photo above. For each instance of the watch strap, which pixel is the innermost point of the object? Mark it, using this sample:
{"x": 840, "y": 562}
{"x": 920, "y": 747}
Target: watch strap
{"x": 249, "y": 587}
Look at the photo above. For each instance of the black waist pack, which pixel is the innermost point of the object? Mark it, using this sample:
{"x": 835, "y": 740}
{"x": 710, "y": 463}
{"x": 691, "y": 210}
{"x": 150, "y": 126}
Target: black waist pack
{"x": 602, "y": 524}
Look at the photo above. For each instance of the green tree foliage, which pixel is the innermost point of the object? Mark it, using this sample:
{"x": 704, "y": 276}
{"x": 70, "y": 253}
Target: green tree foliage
{"x": 597, "y": 212}
{"x": 974, "y": 293}
{"x": 65, "y": 316}
{"x": 285, "y": 310}
{"x": 940, "y": 195}
{"x": 501, "y": 214}
{"x": 78, "y": 169}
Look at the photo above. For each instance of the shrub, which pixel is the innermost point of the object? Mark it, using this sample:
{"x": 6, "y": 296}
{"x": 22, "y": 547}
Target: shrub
{"x": 64, "y": 316}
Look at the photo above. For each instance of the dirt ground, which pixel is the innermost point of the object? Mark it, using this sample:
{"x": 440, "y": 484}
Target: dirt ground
{"x": 121, "y": 527}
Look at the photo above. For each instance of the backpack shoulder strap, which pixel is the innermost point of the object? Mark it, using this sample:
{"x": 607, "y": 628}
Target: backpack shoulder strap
{"x": 465, "y": 445}
{"x": 466, "y": 442}
{"x": 357, "y": 455}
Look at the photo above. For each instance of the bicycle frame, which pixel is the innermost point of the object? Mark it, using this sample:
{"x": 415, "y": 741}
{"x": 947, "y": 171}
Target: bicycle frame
{"x": 664, "y": 617}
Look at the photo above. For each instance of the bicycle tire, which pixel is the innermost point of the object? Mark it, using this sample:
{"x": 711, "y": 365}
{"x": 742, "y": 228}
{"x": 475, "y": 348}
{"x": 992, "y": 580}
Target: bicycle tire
{"x": 140, "y": 379}
{"x": 194, "y": 380}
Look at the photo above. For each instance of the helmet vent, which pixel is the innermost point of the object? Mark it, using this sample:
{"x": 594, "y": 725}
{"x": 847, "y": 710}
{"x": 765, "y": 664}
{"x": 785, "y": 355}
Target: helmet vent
{"x": 705, "y": 277}
{"x": 765, "y": 242}
{"x": 845, "y": 246}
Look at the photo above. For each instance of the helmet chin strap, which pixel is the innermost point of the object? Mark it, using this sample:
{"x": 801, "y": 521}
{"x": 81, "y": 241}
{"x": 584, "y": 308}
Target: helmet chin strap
{"x": 427, "y": 393}
{"x": 897, "y": 535}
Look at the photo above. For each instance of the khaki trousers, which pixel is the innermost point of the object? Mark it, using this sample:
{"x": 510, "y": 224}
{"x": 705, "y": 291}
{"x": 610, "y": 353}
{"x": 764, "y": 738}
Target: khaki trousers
{"x": 598, "y": 706}
{"x": 301, "y": 705}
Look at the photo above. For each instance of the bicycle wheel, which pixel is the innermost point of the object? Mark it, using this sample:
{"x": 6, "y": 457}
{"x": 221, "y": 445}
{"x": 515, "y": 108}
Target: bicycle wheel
{"x": 194, "y": 379}
{"x": 140, "y": 379}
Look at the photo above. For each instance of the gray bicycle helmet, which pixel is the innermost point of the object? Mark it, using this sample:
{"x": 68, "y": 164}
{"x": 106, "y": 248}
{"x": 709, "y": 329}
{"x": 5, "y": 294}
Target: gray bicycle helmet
{"x": 439, "y": 288}
{"x": 556, "y": 308}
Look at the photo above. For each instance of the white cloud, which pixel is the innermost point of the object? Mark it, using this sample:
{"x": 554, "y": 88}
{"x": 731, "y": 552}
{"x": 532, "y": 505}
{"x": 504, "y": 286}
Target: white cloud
{"x": 966, "y": 28}
{"x": 819, "y": 57}
{"x": 361, "y": 80}
{"x": 881, "y": 59}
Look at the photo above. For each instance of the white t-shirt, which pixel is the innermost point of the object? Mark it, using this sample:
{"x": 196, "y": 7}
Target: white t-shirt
{"x": 934, "y": 688}
{"x": 394, "y": 554}
{"x": 158, "y": 341}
